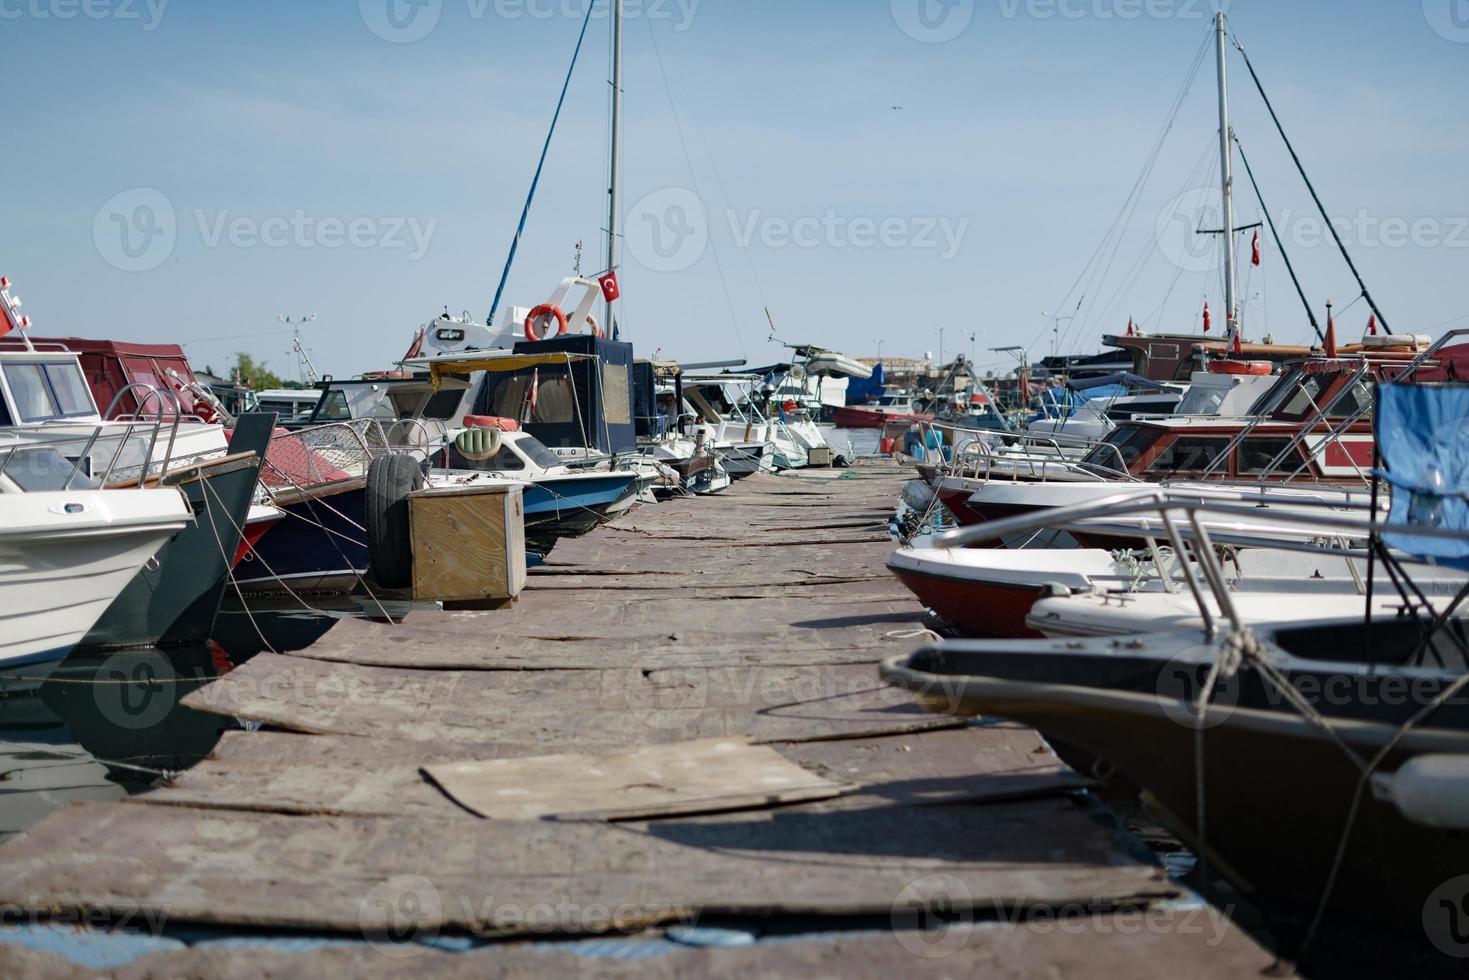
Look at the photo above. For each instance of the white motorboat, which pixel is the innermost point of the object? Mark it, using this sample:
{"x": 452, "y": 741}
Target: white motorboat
{"x": 64, "y": 557}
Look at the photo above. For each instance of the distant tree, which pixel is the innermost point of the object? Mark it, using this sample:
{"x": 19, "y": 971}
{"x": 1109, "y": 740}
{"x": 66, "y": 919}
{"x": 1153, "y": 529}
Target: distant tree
{"x": 255, "y": 375}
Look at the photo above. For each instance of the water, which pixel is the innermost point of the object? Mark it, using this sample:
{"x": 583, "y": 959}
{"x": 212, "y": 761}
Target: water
{"x": 105, "y": 726}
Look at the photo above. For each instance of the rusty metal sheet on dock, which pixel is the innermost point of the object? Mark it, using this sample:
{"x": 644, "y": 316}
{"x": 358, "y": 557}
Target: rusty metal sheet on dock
{"x": 624, "y": 706}
{"x": 331, "y": 774}
{"x": 704, "y": 776}
{"x": 239, "y": 869}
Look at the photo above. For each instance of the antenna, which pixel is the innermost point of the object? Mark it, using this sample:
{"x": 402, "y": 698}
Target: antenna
{"x": 305, "y": 370}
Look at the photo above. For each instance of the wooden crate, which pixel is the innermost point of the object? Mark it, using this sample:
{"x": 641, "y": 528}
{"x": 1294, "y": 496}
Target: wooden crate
{"x": 468, "y": 544}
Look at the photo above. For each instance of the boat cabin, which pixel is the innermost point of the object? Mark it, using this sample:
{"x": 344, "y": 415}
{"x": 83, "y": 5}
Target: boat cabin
{"x": 1268, "y": 445}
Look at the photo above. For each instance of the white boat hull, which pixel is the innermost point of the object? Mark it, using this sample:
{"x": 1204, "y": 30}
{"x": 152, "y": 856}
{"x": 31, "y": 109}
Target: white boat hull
{"x": 65, "y": 556}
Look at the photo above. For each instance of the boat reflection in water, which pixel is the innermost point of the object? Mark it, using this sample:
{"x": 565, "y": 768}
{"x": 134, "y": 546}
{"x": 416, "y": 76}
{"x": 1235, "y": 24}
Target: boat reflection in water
{"x": 106, "y": 726}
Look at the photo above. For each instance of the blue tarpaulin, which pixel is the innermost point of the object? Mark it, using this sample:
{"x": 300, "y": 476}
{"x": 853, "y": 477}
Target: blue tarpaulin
{"x": 1422, "y": 436}
{"x": 862, "y": 390}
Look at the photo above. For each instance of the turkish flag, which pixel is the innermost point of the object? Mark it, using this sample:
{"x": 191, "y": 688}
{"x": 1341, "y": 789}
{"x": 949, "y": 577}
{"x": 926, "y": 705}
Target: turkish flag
{"x": 1255, "y": 258}
{"x": 1206, "y": 316}
{"x": 610, "y": 289}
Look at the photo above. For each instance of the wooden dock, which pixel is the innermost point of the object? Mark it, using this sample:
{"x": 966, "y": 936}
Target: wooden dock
{"x": 885, "y": 841}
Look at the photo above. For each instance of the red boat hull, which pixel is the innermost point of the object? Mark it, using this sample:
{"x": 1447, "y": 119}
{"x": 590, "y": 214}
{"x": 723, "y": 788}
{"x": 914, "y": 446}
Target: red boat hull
{"x": 857, "y": 417}
{"x": 979, "y": 609}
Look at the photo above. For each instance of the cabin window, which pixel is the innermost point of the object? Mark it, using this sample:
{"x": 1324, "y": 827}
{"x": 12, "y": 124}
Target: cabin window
{"x": 1256, "y": 454}
{"x": 333, "y": 407}
{"x": 70, "y": 390}
{"x": 28, "y": 388}
{"x": 506, "y": 461}
{"x": 616, "y": 404}
{"x": 1187, "y": 455}
{"x": 555, "y": 400}
{"x": 537, "y": 452}
{"x": 45, "y": 390}
{"x": 40, "y": 470}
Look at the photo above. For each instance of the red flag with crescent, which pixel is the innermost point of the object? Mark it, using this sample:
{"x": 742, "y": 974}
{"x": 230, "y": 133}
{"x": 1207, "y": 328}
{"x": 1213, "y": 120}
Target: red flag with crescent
{"x": 610, "y": 289}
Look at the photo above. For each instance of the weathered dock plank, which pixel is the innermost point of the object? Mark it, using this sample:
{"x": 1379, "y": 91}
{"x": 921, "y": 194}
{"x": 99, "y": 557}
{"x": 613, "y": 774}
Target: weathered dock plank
{"x": 348, "y": 874}
{"x": 1181, "y": 944}
{"x": 620, "y": 707}
{"x": 349, "y": 775}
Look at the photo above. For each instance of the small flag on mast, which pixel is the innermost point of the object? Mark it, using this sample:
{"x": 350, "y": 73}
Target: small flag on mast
{"x": 1236, "y": 345}
{"x": 1206, "y": 316}
{"x": 1330, "y": 333}
{"x": 610, "y": 289}
{"x": 1372, "y": 325}
{"x": 1130, "y": 332}
{"x": 1255, "y": 249}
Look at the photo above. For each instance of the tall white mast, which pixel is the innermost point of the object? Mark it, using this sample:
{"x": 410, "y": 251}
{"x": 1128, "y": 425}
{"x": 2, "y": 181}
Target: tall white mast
{"x": 1226, "y": 165}
{"x": 613, "y": 190}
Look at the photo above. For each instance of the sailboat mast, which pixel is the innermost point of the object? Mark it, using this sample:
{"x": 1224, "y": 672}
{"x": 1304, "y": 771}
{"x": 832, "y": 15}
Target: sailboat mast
{"x": 613, "y": 190}
{"x": 1231, "y": 310}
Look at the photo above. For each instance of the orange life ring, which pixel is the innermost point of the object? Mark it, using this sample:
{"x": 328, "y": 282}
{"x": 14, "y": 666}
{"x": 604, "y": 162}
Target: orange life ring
{"x": 545, "y": 309}
{"x": 491, "y": 422}
{"x": 1241, "y": 367}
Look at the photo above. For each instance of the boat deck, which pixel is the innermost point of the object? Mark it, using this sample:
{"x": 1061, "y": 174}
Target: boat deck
{"x": 910, "y": 843}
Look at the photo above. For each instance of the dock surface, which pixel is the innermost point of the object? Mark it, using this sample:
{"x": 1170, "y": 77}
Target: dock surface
{"x": 912, "y": 843}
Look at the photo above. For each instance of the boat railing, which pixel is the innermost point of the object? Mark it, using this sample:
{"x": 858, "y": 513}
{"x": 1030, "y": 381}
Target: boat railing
{"x": 1195, "y": 526}
{"x": 1033, "y": 455}
{"x": 81, "y": 450}
{"x": 323, "y": 454}
{"x": 142, "y": 394}
{"x": 418, "y": 437}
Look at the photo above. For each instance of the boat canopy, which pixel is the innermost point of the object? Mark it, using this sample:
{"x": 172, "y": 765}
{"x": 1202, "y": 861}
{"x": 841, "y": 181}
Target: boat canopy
{"x": 1422, "y": 434}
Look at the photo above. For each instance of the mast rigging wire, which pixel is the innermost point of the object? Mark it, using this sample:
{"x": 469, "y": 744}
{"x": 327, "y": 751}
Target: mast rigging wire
{"x": 1301, "y": 169}
{"x": 540, "y": 165}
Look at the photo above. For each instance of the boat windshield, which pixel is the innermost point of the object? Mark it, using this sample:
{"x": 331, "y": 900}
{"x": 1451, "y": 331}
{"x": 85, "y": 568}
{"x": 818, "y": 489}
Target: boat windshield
{"x": 536, "y": 451}
{"x": 45, "y": 390}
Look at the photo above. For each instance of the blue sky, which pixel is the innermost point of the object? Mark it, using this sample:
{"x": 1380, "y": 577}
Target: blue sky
{"x": 311, "y": 166}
